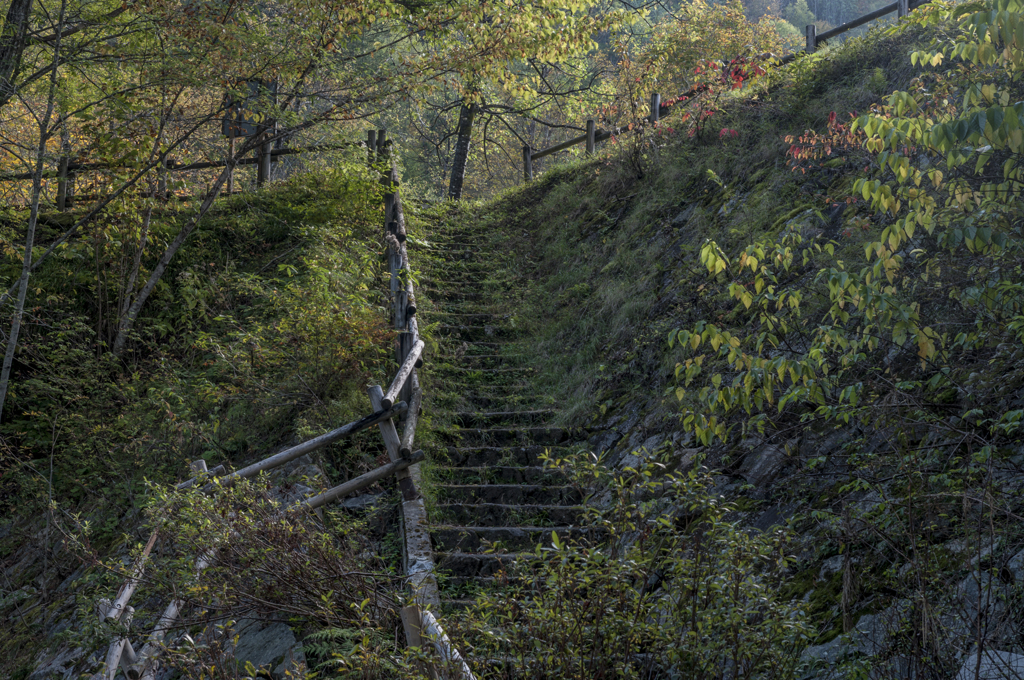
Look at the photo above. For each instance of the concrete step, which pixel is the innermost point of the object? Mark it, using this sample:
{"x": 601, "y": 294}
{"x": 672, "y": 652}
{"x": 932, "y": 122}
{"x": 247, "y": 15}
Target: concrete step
{"x": 476, "y": 333}
{"x": 512, "y": 494}
{"x": 479, "y": 456}
{"x": 513, "y": 539}
{"x": 484, "y": 418}
{"x": 477, "y": 565}
{"x": 499, "y": 474}
{"x": 508, "y": 436}
{"x": 465, "y": 318}
{"x": 513, "y": 371}
{"x": 481, "y": 361}
{"x": 507, "y": 514}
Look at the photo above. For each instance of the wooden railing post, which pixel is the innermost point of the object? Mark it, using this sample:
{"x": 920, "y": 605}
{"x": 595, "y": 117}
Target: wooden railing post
{"x": 527, "y": 164}
{"x": 655, "y": 107}
{"x": 902, "y": 8}
{"x": 371, "y": 145}
{"x": 812, "y": 41}
{"x": 591, "y": 134}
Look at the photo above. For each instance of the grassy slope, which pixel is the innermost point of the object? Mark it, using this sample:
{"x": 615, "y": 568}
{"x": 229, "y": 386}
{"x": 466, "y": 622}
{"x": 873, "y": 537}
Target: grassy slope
{"x": 616, "y": 241}
{"x": 264, "y": 331}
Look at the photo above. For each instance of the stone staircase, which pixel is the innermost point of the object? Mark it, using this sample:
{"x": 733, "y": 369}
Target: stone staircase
{"x": 493, "y": 500}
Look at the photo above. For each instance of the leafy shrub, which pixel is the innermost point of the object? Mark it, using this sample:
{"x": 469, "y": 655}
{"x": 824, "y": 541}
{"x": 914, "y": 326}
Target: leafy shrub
{"x": 666, "y": 582}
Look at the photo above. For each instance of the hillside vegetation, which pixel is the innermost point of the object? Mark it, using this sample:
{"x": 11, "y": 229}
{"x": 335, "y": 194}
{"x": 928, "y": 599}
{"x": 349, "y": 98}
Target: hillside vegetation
{"x": 776, "y": 339}
{"x": 823, "y": 311}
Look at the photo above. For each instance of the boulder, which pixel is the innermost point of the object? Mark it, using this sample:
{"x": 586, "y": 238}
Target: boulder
{"x": 264, "y": 644}
{"x": 992, "y": 665}
{"x": 762, "y": 464}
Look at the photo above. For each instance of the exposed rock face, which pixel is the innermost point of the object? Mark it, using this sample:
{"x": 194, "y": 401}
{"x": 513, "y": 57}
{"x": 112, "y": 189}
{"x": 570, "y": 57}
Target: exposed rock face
{"x": 268, "y": 645}
{"x": 992, "y": 665}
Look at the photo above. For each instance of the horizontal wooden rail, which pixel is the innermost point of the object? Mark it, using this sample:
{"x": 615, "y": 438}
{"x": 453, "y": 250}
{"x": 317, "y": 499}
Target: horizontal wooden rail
{"x": 360, "y": 482}
{"x": 431, "y": 630}
{"x": 404, "y": 372}
{"x": 172, "y": 166}
{"x": 305, "y": 447}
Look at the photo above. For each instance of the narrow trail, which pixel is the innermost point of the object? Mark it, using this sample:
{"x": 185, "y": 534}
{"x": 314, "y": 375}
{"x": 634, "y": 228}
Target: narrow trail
{"x": 494, "y": 501}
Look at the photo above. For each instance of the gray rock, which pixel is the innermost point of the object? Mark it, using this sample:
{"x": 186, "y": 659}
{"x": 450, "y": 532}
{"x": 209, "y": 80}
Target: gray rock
{"x": 62, "y": 665}
{"x": 982, "y": 595}
{"x": 762, "y": 464}
{"x": 1016, "y": 567}
{"x": 683, "y": 217}
{"x": 993, "y": 665}
{"x": 832, "y": 565}
{"x": 364, "y": 501}
{"x": 294, "y": 664}
{"x": 825, "y": 654}
{"x": 263, "y": 643}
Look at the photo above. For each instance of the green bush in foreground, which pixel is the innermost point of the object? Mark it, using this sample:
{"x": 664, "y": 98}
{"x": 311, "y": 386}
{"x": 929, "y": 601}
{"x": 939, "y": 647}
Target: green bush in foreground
{"x": 665, "y": 583}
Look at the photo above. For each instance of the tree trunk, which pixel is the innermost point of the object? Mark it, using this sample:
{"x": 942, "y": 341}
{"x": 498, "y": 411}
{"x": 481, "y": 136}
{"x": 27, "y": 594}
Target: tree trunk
{"x": 33, "y": 218}
{"x": 466, "y": 116}
{"x": 128, "y": 320}
{"x": 12, "y": 44}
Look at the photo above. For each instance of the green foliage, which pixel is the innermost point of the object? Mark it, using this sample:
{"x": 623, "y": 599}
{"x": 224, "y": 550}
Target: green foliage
{"x": 665, "y": 582}
{"x": 799, "y": 15}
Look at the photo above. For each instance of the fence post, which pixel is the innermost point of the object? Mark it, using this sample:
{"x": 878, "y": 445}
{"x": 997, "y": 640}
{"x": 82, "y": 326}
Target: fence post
{"x": 655, "y": 107}
{"x": 812, "y": 38}
{"x": 527, "y": 164}
{"x": 382, "y": 140}
{"x": 62, "y": 184}
{"x": 371, "y": 145}
{"x": 902, "y": 8}
{"x": 591, "y": 136}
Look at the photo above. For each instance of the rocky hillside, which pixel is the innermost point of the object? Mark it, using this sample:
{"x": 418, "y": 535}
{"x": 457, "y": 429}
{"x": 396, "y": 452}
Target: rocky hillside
{"x": 818, "y": 317}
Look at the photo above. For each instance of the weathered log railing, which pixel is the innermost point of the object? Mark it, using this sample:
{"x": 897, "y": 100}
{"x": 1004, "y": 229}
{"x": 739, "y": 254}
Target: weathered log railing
{"x": 418, "y": 555}
{"x": 657, "y": 110}
{"x": 403, "y": 397}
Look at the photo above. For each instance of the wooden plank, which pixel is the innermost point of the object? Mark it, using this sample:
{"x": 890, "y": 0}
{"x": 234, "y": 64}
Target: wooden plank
{"x": 120, "y": 604}
{"x": 591, "y": 136}
{"x": 411, "y": 418}
{"x": 361, "y": 482}
{"x": 559, "y": 147}
{"x": 860, "y": 21}
{"x": 432, "y": 631}
{"x": 317, "y": 442}
{"x": 406, "y": 369}
{"x": 391, "y": 443}
{"x": 215, "y": 472}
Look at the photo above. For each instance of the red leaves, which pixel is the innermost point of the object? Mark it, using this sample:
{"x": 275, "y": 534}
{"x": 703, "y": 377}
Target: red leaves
{"x": 725, "y": 133}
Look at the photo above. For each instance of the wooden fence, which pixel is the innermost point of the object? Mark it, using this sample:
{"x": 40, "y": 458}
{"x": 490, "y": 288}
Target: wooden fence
{"x": 657, "y": 109}
{"x": 67, "y": 171}
{"x": 403, "y": 397}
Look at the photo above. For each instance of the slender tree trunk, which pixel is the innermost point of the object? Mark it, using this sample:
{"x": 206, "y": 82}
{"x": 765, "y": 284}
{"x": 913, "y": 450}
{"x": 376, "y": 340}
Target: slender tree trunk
{"x": 467, "y": 114}
{"x": 33, "y": 217}
{"x": 133, "y": 275}
{"x": 12, "y": 45}
{"x": 128, "y": 320}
